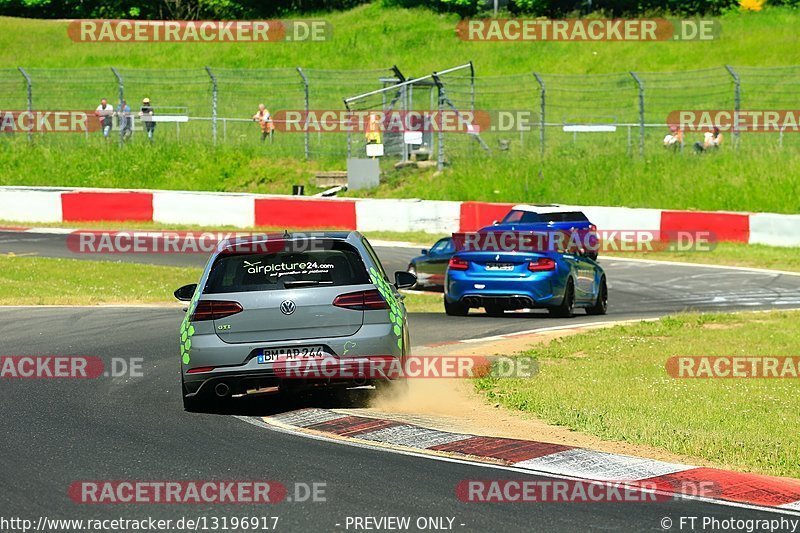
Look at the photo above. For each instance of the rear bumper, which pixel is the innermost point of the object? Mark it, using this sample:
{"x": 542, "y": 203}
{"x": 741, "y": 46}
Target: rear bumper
{"x": 267, "y": 380}
{"x": 237, "y": 366}
{"x": 522, "y": 293}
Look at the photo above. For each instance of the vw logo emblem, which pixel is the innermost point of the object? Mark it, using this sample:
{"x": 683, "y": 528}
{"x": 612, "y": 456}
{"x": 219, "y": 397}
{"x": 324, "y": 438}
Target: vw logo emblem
{"x": 287, "y": 307}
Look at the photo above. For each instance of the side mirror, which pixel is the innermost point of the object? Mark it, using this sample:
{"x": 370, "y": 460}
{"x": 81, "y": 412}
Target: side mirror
{"x": 404, "y": 280}
{"x": 495, "y": 222}
{"x": 186, "y": 292}
{"x": 424, "y": 251}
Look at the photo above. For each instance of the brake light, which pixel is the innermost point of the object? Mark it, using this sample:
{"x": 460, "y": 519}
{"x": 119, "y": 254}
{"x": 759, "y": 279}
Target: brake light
{"x": 200, "y": 369}
{"x": 361, "y": 300}
{"x": 592, "y": 227}
{"x": 542, "y": 264}
{"x": 456, "y": 263}
{"x": 214, "y": 310}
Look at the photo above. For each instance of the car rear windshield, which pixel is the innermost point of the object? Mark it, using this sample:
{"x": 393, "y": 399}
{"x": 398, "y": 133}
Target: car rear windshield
{"x": 321, "y": 263}
{"x": 529, "y": 217}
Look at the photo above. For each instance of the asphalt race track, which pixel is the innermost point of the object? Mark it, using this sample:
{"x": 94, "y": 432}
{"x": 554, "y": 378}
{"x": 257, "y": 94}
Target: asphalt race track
{"x": 57, "y": 432}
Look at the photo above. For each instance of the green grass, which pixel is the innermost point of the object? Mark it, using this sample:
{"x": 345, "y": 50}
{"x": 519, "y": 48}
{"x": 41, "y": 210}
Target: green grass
{"x": 731, "y": 254}
{"x": 598, "y": 169}
{"x": 48, "y": 281}
{"x": 40, "y": 281}
{"x": 373, "y": 36}
{"x": 612, "y": 383}
{"x": 420, "y": 238}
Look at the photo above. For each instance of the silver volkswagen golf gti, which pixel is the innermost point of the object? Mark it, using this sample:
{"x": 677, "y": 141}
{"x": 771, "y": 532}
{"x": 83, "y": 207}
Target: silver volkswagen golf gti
{"x": 268, "y": 310}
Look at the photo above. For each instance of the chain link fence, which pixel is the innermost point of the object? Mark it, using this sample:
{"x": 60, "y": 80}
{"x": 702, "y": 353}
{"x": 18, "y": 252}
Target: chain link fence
{"x": 546, "y": 113}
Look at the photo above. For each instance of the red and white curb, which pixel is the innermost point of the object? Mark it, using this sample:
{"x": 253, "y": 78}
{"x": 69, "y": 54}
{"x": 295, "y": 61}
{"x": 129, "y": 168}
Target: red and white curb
{"x": 776, "y": 493}
{"x": 244, "y": 210}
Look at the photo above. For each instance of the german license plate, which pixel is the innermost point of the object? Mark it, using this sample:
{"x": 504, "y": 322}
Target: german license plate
{"x": 499, "y": 266}
{"x": 269, "y": 355}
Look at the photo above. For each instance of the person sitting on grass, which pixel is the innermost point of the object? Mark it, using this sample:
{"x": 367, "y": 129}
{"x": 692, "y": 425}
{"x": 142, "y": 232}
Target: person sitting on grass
{"x": 711, "y": 141}
{"x": 674, "y": 138}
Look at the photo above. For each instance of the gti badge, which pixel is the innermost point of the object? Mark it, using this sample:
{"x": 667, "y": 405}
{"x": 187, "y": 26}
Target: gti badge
{"x": 287, "y": 307}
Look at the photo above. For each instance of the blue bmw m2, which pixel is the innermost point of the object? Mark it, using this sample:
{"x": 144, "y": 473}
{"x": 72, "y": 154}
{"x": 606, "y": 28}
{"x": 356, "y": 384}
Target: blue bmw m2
{"x": 499, "y": 282}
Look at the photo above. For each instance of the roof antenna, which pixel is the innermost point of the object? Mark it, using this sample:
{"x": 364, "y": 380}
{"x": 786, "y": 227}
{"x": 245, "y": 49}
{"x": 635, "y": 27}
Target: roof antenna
{"x": 286, "y": 234}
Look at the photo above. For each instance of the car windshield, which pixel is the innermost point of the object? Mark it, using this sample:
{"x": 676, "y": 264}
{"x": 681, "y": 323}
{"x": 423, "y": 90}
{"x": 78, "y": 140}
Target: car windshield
{"x": 326, "y": 263}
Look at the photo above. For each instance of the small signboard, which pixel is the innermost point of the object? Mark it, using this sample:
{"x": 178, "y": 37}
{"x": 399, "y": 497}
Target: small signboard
{"x": 374, "y": 150}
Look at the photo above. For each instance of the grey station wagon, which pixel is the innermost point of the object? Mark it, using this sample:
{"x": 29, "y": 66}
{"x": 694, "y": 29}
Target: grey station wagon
{"x": 268, "y": 310}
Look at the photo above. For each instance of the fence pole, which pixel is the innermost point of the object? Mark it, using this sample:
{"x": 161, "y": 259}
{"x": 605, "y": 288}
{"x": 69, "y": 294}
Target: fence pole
{"x": 472, "y": 86}
{"x": 737, "y": 102}
{"x": 347, "y": 116}
{"x": 29, "y": 85}
{"x": 121, "y": 93}
{"x": 440, "y": 137}
{"x": 214, "y": 94}
{"x": 640, "y": 85}
{"x": 305, "y": 103}
{"x": 542, "y": 107}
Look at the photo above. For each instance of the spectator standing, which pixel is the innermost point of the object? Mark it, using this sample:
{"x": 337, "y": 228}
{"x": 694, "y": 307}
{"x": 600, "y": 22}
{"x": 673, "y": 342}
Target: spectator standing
{"x": 264, "y": 119}
{"x": 105, "y": 114}
{"x": 146, "y": 114}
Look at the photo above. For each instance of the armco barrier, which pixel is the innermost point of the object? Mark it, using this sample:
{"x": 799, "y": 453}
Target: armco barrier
{"x": 116, "y": 206}
{"x": 475, "y": 215}
{"x": 732, "y": 227}
{"x": 36, "y": 204}
{"x": 294, "y": 213}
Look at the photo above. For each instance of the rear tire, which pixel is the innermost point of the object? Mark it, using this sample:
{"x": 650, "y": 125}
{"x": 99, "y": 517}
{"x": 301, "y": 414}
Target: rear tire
{"x": 455, "y": 308}
{"x": 600, "y": 307}
{"x": 567, "y": 307}
{"x": 494, "y": 310}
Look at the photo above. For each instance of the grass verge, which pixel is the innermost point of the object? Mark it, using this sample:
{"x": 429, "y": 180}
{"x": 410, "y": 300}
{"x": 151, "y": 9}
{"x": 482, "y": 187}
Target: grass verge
{"x": 730, "y": 254}
{"x": 612, "y": 383}
{"x": 419, "y": 238}
{"x": 48, "y": 281}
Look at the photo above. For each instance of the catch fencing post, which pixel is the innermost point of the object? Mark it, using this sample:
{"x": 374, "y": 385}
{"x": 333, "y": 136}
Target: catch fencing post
{"x": 542, "y": 108}
{"x": 213, "y": 103}
{"x": 640, "y": 85}
{"x": 29, "y": 85}
{"x": 121, "y": 89}
{"x": 440, "y": 155}
{"x": 737, "y": 102}
{"x": 305, "y": 101}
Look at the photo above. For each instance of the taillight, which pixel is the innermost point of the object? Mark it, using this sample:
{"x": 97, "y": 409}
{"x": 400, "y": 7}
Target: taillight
{"x": 541, "y": 264}
{"x": 214, "y": 310}
{"x": 592, "y": 227}
{"x": 456, "y": 263}
{"x": 361, "y": 300}
{"x": 200, "y": 369}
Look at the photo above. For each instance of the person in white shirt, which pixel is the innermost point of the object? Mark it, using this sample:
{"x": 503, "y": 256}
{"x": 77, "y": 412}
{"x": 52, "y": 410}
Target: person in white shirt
{"x": 105, "y": 114}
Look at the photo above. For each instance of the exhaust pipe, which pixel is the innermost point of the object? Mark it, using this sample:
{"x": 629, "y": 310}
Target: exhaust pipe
{"x": 222, "y": 390}
{"x": 360, "y": 380}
